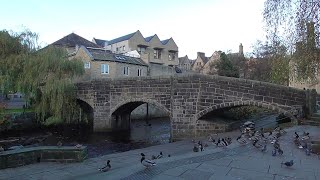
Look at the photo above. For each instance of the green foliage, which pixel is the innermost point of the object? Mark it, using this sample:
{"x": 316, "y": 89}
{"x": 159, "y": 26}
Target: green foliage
{"x": 272, "y": 63}
{"x": 296, "y": 24}
{"x": 45, "y": 76}
{"x": 52, "y": 120}
{"x": 225, "y": 67}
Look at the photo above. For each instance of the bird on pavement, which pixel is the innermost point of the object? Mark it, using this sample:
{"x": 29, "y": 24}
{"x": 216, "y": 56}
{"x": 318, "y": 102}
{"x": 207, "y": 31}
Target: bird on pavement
{"x": 280, "y": 151}
{"x": 288, "y": 163}
{"x": 160, "y": 155}
{"x": 106, "y": 168}
{"x": 146, "y": 162}
{"x": 241, "y": 140}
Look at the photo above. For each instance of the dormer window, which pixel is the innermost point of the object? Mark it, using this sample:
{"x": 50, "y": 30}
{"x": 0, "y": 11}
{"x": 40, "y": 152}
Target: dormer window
{"x": 172, "y": 56}
{"x": 157, "y": 53}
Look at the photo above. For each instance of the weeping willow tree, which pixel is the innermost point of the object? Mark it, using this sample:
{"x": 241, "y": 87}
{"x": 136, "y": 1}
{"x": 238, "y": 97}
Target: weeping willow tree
{"x": 296, "y": 24}
{"x": 47, "y": 77}
{"x": 14, "y": 49}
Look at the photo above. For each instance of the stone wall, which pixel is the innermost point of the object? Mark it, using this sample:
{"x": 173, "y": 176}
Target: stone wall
{"x": 24, "y": 156}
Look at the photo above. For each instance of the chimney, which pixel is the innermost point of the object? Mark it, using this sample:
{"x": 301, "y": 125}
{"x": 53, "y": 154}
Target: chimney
{"x": 201, "y": 54}
{"x": 240, "y": 49}
{"x": 310, "y": 34}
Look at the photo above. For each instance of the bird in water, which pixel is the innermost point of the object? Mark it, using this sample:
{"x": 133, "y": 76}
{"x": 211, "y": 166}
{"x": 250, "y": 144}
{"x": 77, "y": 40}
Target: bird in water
{"x": 146, "y": 162}
{"x": 59, "y": 144}
{"x": 288, "y": 163}
{"x": 106, "y": 168}
{"x": 1, "y": 149}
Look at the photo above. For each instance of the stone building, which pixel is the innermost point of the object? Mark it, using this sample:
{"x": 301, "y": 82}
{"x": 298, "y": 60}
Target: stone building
{"x": 72, "y": 41}
{"x": 185, "y": 64}
{"x": 100, "y": 63}
{"x": 160, "y": 55}
{"x": 205, "y": 65}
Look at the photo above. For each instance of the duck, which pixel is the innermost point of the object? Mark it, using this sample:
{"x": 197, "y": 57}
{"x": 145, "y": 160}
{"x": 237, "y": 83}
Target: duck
{"x": 59, "y": 144}
{"x": 195, "y": 148}
{"x": 288, "y": 164}
{"x": 160, "y": 155}
{"x": 106, "y": 168}
{"x": 146, "y": 162}
{"x": 241, "y": 140}
{"x": 257, "y": 145}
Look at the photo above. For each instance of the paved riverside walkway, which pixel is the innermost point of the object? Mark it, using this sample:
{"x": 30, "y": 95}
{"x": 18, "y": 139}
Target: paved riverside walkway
{"x": 233, "y": 162}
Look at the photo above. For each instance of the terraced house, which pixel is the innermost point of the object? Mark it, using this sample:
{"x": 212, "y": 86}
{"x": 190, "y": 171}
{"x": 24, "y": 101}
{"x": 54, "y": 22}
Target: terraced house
{"x": 160, "y": 55}
{"x": 98, "y": 62}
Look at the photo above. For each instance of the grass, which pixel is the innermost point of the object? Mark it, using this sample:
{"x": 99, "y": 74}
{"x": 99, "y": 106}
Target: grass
{"x": 10, "y": 111}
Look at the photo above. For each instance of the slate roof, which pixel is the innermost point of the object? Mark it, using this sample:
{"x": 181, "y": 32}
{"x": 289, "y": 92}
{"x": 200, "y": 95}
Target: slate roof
{"x": 100, "y": 42}
{"x": 73, "y": 39}
{"x": 183, "y": 60}
{"x": 122, "y": 38}
{"x": 164, "y": 42}
{"x": 147, "y": 39}
{"x": 103, "y": 55}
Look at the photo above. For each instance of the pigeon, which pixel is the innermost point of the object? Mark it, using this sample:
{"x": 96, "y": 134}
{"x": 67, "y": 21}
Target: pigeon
{"x": 146, "y": 162}
{"x": 288, "y": 163}
{"x": 106, "y": 168}
{"x": 195, "y": 148}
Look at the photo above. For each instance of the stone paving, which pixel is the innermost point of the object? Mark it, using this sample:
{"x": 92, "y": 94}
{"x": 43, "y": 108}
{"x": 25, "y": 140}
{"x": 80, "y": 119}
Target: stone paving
{"x": 233, "y": 162}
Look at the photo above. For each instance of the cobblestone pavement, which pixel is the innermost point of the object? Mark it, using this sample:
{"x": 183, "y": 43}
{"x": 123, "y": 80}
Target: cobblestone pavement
{"x": 234, "y": 162}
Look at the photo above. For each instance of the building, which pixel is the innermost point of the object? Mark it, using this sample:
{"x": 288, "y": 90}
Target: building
{"x": 185, "y": 64}
{"x": 72, "y": 41}
{"x": 205, "y": 65}
{"x": 160, "y": 55}
{"x": 100, "y": 63}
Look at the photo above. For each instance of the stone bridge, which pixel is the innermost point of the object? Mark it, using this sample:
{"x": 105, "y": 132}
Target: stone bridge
{"x": 185, "y": 98}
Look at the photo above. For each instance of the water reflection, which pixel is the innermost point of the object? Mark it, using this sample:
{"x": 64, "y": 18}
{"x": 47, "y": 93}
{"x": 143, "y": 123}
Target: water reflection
{"x": 139, "y": 136}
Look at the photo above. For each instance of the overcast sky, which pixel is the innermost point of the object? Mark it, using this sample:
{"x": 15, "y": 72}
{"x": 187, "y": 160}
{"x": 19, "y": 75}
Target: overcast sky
{"x": 195, "y": 25}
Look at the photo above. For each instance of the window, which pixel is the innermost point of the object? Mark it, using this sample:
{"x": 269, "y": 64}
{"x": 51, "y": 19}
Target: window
{"x": 172, "y": 56}
{"x": 139, "y": 72}
{"x": 104, "y": 69}
{"x": 126, "y": 71}
{"x": 123, "y": 48}
{"x": 157, "y": 53}
{"x": 117, "y": 49}
{"x": 141, "y": 49}
{"x": 87, "y": 65}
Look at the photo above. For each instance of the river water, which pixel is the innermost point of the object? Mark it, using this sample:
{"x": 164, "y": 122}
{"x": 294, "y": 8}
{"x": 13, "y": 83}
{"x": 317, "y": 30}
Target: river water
{"x": 140, "y": 135}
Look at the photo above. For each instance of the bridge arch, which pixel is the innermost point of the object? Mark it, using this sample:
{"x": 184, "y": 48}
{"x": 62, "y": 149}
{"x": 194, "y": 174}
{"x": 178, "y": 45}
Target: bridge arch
{"x": 144, "y": 100}
{"x": 290, "y": 113}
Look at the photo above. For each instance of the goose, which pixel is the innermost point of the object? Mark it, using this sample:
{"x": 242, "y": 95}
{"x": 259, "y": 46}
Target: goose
{"x": 146, "y": 162}
{"x": 224, "y": 142}
{"x": 106, "y": 168}
{"x": 195, "y": 148}
{"x": 297, "y": 142}
{"x": 220, "y": 143}
{"x": 229, "y": 140}
{"x": 297, "y": 136}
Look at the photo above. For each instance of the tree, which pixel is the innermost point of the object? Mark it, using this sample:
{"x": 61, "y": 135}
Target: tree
{"x": 296, "y": 23}
{"x": 14, "y": 48}
{"x": 45, "y": 76}
{"x": 225, "y": 67}
{"x": 272, "y": 62}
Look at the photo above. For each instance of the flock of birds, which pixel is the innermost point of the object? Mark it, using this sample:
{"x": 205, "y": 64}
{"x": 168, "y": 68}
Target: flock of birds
{"x": 258, "y": 139}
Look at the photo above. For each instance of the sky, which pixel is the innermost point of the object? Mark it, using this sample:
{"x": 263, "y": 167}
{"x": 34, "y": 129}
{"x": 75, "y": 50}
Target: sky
{"x": 195, "y": 25}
